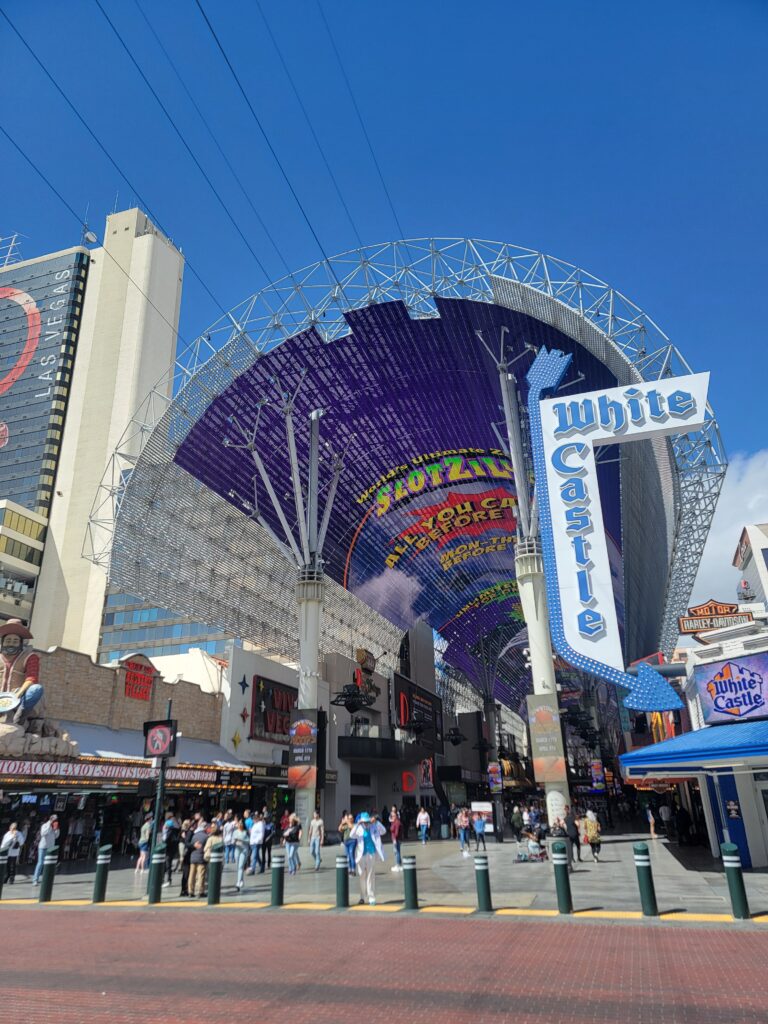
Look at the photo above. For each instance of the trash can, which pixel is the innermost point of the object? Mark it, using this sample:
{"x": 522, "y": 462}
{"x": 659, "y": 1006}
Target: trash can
{"x": 444, "y": 831}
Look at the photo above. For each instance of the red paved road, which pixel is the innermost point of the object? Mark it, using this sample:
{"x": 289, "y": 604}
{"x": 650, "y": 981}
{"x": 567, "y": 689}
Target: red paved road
{"x": 166, "y": 967}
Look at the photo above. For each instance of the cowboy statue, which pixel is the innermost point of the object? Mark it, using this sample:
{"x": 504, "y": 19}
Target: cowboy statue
{"x": 20, "y": 688}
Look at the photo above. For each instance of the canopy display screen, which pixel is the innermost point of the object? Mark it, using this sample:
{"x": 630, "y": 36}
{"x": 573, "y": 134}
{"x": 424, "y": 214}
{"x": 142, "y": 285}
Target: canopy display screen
{"x": 425, "y": 517}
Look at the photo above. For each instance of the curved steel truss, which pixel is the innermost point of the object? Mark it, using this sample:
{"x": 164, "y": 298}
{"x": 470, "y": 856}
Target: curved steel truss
{"x": 691, "y": 467}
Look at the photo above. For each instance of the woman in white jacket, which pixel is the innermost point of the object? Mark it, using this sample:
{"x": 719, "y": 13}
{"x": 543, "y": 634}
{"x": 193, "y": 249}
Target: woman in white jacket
{"x": 11, "y": 844}
{"x": 368, "y": 835}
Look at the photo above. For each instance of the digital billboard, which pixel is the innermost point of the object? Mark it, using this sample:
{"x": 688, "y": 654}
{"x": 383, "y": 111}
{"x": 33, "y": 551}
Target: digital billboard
{"x": 734, "y": 690}
{"x": 419, "y": 711}
{"x": 40, "y": 309}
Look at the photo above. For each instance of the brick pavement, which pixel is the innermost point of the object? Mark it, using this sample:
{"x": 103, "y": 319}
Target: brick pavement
{"x": 76, "y": 966}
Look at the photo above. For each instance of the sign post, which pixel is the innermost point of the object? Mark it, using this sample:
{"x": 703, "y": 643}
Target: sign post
{"x": 160, "y": 744}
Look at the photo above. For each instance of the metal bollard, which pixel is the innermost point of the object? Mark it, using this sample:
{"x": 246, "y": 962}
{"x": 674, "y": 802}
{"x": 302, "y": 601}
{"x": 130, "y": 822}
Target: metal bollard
{"x": 562, "y": 882}
{"x": 483, "y": 882}
{"x": 645, "y": 880}
{"x": 103, "y": 859}
{"x": 49, "y": 873}
{"x": 342, "y": 881}
{"x": 156, "y": 868}
{"x": 3, "y": 867}
{"x": 735, "y": 877}
{"x": 215, "y": 871}
{"x": 409, "y": 881}
{"x": 278, "y": 879}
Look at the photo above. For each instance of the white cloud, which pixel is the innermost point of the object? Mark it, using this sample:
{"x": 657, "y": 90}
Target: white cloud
{"x": 744, "y": 500}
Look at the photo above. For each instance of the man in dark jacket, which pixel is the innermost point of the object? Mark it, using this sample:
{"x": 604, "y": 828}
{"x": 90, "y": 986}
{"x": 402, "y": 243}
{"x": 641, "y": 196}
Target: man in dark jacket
{"x": 572, "y": 831}
{"x": 197, "y": 865}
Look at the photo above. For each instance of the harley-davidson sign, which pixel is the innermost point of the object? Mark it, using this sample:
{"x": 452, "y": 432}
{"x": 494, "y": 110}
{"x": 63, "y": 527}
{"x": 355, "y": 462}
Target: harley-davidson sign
{"x": 712, "y": 615}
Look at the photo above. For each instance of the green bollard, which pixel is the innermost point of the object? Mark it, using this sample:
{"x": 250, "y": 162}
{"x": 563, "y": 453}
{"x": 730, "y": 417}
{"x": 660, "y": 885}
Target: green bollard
{"x": 410, "y": 883}
{"x": 342, "y": 881}
{"x": 103, "y": 859}
{"x": 562, "y": 882}
{"x": 645, "y": 880}
{"x": 735, "y": 877}
{"x": 483, "y": 882}
{"x": 3, "y": 867}
{"x": 278, "y": 879}
{"x": 156, "y": 869}
{"x": 49, "y": 873}
{"x": 215, "y": 871}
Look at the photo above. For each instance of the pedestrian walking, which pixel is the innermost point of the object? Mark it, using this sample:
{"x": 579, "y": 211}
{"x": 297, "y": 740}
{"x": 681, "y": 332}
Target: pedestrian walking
{"x": 214, "y": 841}
{"x": 145, "y": 838}
{"x": 316, "y": 835}
{"x": 396, "y": 831}
{"x": 241, "y": 844}
{"x": 462, "y": 829}
{"x": 185, "y": 852}
{"x": 292, "y": 837}
{"x": 665, "y": 813}
{"x": 517, "y": 823}
{"x": 423, "y": 823}
{"x": 49, "y": 837}
{"x": 170, "y": 837}
{"x": 228, "y": 832}
{"x": 592, "y": 832}
{"x": 346, "y": 825}
{"x": 256, "y": 845}
{"x": 11, "y": 845}
{"x": 571, "y": 823}
{"x": 478, "y": 824}
{"x": 651, "y": 821}
{"x": 197, "y": 865}
{"x": 367, "y": 835}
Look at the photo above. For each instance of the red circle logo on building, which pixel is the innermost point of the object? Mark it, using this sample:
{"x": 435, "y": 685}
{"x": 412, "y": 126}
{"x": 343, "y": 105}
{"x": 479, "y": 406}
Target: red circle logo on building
{"x": 32, "y": 314}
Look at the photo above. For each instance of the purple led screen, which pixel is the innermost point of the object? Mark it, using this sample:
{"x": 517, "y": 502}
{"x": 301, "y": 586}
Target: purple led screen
{"x": 426, "y": 508}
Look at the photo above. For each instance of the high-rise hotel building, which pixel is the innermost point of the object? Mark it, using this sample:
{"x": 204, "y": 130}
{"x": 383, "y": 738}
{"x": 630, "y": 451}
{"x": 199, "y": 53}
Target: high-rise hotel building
{"x": 84, "y": 336}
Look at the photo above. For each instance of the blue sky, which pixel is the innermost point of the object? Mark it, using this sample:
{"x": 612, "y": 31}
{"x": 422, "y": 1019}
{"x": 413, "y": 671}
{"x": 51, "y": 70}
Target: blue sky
{"x": 630, "y": 139}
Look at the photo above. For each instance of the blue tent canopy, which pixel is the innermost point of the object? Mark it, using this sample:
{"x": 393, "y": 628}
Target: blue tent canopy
{"x": 720, "y": 746}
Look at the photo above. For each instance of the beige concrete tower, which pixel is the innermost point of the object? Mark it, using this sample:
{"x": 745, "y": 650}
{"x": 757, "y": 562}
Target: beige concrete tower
{"x": 125, "y": 346}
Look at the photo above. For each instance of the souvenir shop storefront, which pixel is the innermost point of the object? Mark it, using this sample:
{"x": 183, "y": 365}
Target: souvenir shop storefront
{"x": 103, "y": 800}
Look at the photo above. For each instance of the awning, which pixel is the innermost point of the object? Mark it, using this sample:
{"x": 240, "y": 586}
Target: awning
{"x": 720, "y": 746}
{"x": 99, "y": 741}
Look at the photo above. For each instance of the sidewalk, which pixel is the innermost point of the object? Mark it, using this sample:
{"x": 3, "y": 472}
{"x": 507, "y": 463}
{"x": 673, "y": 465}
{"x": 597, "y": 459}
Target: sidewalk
{"x": 685, "y": 878}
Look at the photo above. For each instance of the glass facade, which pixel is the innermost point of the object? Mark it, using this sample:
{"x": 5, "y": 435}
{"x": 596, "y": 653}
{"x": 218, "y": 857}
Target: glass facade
{"x": 130, "y": 626}
{"x": 40, "y": 309}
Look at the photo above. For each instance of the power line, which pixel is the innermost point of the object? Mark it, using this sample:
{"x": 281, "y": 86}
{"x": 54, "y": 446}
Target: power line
{"x": 312, "y": 131}
{"x": 210, "y": 131}
{"x": 104, "y": 150}
{"x": 25, "y": 156}
{"x": 360, "y": 118}
{"x": 183, "y": 140}
{"x": 264, "y": 135}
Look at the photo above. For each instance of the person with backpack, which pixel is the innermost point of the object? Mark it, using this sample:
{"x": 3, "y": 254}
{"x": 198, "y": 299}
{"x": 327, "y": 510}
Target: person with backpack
{"x": 170, "y": 837}
{"x": 592, "y": 833}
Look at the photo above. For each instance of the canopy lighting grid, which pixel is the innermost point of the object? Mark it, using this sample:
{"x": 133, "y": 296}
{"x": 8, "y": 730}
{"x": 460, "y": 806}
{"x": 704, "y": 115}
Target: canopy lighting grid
{"x": 414, "y": 272}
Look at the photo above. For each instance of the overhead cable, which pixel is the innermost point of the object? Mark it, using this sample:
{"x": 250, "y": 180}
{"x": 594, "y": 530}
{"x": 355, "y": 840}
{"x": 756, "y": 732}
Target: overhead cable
{"x": 266, "y": 138}
{"x": 106, "y": 152}
{"x": 360, "y": 118}
{"x": 25, "y": 156}
{"x": 212, "y": 134}
{"x": 183, "y": 141}
{"x": 307, "y": 118}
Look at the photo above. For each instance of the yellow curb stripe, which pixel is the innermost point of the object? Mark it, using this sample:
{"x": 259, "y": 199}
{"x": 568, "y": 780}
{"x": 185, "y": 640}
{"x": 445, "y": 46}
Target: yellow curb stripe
{"x": 520, "y": 912}
{"x": 308, "y": 906}
{"x": 681, "y": 915}
{"x": 16, "y": 903}
{"x": 760, "y": 918}
{"x": 244, "y": 906}
{"x": 383, "y": 908}
{"x": 619, "y": 915}
{"x": 71, "y": 903}
{"x": 447, "y": 910}
{"x": 126, "y": 903}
